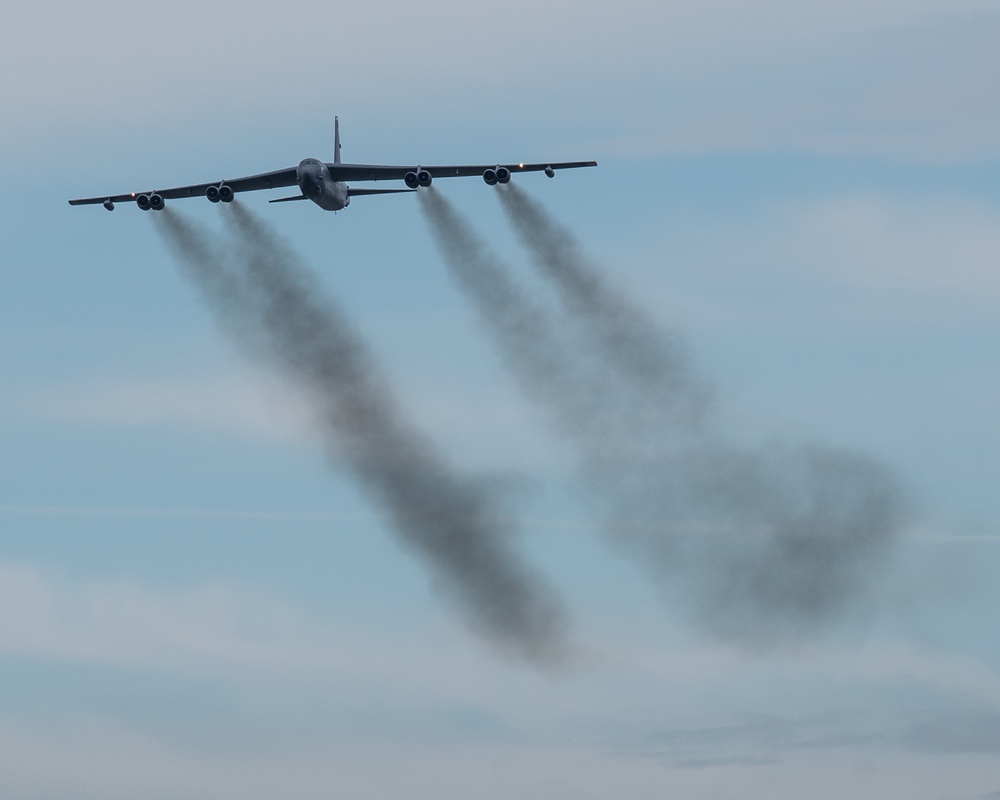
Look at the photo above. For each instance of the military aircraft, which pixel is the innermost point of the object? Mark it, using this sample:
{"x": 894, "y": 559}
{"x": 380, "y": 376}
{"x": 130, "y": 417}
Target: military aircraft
{"x": 325, "y": 183}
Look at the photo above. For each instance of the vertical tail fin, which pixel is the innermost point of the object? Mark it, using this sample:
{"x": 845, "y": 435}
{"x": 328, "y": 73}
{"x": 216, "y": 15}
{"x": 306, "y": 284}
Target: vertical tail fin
{"x": 336, "y": 140}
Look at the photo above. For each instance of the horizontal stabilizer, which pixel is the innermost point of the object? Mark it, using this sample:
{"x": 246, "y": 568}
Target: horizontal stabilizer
{"x": 289, "y": 199}
{"x": 362, "y": 192}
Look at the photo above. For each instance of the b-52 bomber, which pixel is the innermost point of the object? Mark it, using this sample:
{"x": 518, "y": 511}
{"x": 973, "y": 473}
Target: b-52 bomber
{"x": 325, "y": 183}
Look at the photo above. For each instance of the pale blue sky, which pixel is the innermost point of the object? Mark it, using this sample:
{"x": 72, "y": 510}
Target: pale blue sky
{"x": 193, "y": 604}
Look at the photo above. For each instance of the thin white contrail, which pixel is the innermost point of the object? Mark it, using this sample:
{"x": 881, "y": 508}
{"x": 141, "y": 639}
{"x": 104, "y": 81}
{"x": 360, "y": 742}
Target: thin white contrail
{"x": 304, "y": 517}
{"x": 106, "y": 512}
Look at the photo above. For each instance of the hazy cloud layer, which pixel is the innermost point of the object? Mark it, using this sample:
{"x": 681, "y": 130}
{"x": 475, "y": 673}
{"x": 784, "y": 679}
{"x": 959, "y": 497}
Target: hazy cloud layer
{"x": 899, "y": 79}
{"x": 337, "y": 694}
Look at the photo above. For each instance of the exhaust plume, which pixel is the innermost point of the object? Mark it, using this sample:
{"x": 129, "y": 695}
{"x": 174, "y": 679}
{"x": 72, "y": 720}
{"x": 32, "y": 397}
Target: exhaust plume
{"x": 269, "y": 301}
{"x": 654, "y": 361}
{"x": 533, "y": 349}
{"x": 761, "y": 545}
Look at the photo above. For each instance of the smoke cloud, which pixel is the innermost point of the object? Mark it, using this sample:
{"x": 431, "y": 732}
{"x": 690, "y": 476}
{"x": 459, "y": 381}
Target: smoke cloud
{"x": 761, "y": 545}
{"x": 270, "y": 303}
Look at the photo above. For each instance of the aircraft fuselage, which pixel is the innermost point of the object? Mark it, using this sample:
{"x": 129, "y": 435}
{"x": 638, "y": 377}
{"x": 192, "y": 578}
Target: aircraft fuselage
{"x": 316, "y": 184}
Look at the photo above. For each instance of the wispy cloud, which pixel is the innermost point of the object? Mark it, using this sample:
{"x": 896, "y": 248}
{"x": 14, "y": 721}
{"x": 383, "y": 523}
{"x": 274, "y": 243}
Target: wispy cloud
{"x": 246, "y": 405}
{"x": 912, "y": 243}
{"x": 768, "y": 738}
{"x": 210, "y": 629}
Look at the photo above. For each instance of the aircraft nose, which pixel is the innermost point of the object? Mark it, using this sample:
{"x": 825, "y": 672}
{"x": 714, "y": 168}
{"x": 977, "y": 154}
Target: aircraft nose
{"x": 309, "y": 178}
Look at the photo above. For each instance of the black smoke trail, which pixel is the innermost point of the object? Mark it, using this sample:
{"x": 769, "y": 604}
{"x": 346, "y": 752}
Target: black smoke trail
{"x": 263, "y": 294}
{"x": 534, "y": 349}
{"x": 763, "y": 544}
{"x": 653, "y": 360}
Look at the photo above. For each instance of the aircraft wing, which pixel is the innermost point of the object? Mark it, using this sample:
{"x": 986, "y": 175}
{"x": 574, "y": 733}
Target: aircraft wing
{"x": 380, "y": 172}
{"x": 251, "y": 183}
{"x": 338, "y": 172}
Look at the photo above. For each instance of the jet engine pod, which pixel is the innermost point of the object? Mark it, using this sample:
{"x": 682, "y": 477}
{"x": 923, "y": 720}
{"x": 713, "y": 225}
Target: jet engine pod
{"x": 226, "y": 193}
{"x": 490, "y": 176}
{"x": 143, "y": 202}
{"x": 411, "y": 180}
{"x": 424, "y": 178}
{"x": 503, "y": 175}
{"x": 156, "y": 202}
{"x": 212, "y": 193}
{"x": 109, "y": 205}
{"x": 549, "y": 172}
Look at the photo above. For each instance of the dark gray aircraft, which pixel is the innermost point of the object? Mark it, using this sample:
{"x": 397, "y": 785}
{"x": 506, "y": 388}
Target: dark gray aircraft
{"x": 326, "y": 183}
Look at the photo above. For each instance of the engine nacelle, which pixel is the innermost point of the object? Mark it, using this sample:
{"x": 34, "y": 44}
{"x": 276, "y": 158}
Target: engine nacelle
{"x": 212, "y": 193}
{"x": 549, "y": 172}
{"x": 142, "y": 201}
{"x": 411, "y": 180}
{"x": 490, "y": 176}
{"x": 156, "y": 202}
{"x": 226, "y": 193}
{"x": 109, "y": 205}
{"x": 503, "y": 175}
{"x": 424, "y": 178}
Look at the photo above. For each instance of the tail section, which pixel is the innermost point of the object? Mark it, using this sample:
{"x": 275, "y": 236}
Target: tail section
{"x": 336, "y": 140}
